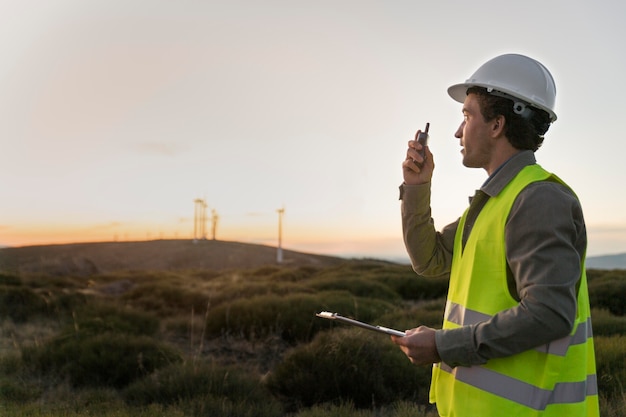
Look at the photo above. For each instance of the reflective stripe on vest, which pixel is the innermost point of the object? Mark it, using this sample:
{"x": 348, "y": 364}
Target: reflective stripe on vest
{"x": 457, "y": 314}
{"x": 522, "y": 393}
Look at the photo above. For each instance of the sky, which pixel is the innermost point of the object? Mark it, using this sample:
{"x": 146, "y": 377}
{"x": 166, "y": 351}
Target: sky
{"x": 115, "y": 115}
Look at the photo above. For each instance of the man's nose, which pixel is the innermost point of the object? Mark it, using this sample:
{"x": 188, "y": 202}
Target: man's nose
{"x": 459, "y": 132}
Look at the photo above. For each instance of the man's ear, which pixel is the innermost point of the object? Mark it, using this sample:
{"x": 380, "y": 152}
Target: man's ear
{"x": 498, "y": 126}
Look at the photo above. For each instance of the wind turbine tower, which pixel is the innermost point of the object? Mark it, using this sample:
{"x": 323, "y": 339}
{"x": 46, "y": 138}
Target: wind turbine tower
{"x": 214, "y": 219}
{"x": 199, "y": 220}
{"x": 279, "y": 252}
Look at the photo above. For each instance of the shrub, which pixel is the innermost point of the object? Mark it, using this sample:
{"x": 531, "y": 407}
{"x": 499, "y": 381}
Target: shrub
{"x": 333, "y": 410}
{"x": 52, "y": 282}
{"x": 613, "y": 408}
{"x": 360, "y": 266}
{"x": 292, "y": 317}
{"x": 98, "y": 318}
{"x": 166, "y": 298}
{"x": 417, "y": 287}
{"x": 107, "y": 359}
{"x": 203, "y": 274}
{"x": 348, "y": 365}
{"x": 398, "y": 409}
{"x": 401, "y": 279}
{"x": 13, "y": 388}
{"x": 280, "y": 274}
{"x": 361, "y": 270}
{"x": 606, "y": 324}
{"x": 205, "y": 389}
{"x": 424, "y": 314}
{"x": 65, "y": 303}
{"x": 20, "y": 303}
{"x": 210, "y": 406}
{"x": 609, "y": 292}
{"x": 14, "y": 391}
{"x": 10, "y": 279}
{"x": 594, "y": 274}
{"x": 357, "y": 286}
{"x": 230, "y": 293}
{"x": 264, "y": 271}
{"x": 611, "y": 366}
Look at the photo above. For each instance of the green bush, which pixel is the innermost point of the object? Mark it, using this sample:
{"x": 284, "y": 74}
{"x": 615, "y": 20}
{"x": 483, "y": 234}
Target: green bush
{"x": 13, "y": 388}
{"x": 348, "y": 365}
{"x": 362, "y": 270}
{"x": 280, "y": 274}
{"x": 609, "y": 292}
{"x": 211, "y": 406}
{"x": 401, "y": 279}
{"x": 357, "y": 286}
{"x": 20, "y": 303}
{"x": 611, "y": 366}
{"x": 263, "y": 271}
{"x": 229, "y": 293}
{"x": 398, "y": 409}
{"x": 10, "y": 279}
{"x": 14, "y": 391}
{"x": 606, "y": 324}
{"x": 65, "y": 303}
{"x": 594, "y": 274}
{"x": 261, "y": 316}
{"x": 360, "y": 266}
{"x": 333, "y": 410}
{"x": 166, "y": 298}
{"x": 417, "y": 287}
{"x": 106, "y": 360}
{"x": 291, "y": 317}
{"x": 424, "y": 314}
{"x": 54, "y": 282}
{"x": 205, "y": 389}
{"x": 98, "y": 318}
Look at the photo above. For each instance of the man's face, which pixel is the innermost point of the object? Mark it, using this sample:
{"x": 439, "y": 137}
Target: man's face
{"x": 474, "y": 135}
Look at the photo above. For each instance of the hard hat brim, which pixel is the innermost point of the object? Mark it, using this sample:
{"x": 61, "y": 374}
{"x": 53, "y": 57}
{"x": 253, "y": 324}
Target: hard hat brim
{"x": 458, "y": 92}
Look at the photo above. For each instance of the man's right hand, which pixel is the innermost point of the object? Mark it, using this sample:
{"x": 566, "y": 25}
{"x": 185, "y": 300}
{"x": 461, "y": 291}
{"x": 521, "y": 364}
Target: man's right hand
{"x": 412, "y": 171}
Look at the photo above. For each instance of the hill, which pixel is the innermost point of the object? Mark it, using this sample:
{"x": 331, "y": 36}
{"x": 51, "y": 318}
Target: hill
{"x": 617, "y": 261}
{"x": 82, "y": 259}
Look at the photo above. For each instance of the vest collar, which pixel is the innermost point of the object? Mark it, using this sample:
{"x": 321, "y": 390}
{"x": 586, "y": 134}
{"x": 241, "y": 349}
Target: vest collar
{"x": 507, "y": 171}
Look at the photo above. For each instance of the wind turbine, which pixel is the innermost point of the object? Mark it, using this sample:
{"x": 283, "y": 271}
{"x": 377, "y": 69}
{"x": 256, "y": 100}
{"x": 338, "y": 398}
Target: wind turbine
{"x": 279, "y": 252}
{"x": 199, "y": 220}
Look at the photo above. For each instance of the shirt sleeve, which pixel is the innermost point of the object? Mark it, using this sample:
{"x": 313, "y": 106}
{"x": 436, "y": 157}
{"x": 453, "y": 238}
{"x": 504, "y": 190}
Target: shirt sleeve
{"x": 430, "y": 251}
{"x": 545, "y": 242}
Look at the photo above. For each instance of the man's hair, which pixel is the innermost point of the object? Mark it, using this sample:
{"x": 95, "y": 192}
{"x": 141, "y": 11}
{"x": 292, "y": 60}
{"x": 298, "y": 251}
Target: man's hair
{"x": 522, "y": 133}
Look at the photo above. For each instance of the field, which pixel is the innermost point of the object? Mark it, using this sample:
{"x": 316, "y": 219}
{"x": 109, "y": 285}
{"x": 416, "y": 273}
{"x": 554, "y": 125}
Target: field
{"x": 173, "y": 328}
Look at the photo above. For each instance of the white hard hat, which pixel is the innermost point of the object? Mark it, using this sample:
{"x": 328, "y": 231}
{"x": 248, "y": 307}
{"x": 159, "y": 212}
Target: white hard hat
{"x": 516, "y": 77}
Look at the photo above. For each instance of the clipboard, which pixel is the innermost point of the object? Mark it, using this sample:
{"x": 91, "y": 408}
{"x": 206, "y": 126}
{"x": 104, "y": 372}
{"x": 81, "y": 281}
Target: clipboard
{"x": 380, "y": 329}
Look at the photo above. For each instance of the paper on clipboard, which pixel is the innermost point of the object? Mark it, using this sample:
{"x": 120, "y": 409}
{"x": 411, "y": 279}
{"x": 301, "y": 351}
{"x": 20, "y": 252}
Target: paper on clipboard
{"x": 380, "y": 329}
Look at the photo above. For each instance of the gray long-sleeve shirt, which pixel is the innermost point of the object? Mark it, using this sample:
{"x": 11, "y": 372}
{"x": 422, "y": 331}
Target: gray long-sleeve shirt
{"x": 545, "y": 240}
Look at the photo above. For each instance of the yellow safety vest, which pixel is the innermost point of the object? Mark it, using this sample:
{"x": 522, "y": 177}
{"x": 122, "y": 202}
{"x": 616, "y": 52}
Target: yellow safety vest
{"x": 557, "y": 379}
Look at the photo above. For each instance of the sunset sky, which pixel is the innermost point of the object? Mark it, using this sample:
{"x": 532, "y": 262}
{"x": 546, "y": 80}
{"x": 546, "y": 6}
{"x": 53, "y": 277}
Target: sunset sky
{"x": 116, "y": 115}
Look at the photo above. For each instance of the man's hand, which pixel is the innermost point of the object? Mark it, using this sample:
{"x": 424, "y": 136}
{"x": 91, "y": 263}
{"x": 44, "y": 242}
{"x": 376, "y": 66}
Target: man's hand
{"x": 419, "y": 345}
{"x": 415, "y": 169}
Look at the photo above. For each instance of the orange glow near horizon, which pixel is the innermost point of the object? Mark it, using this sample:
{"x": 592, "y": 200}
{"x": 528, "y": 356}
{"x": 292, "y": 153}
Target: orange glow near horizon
{"x": 306, "y": 239}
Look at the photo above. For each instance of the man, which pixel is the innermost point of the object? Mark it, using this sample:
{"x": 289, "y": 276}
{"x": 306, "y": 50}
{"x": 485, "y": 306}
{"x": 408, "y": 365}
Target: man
{"x": 516, "y": 337}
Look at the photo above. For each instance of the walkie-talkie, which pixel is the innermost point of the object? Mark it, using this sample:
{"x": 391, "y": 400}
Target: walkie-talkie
{"x": 422, "y": 139}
